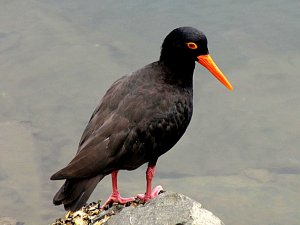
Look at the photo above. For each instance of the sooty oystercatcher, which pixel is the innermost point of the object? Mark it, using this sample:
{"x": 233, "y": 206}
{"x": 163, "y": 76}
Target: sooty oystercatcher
{"x": 141, "y": 116}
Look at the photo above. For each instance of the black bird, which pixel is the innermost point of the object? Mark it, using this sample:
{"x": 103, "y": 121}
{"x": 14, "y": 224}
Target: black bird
{"x": 141, "y": 116}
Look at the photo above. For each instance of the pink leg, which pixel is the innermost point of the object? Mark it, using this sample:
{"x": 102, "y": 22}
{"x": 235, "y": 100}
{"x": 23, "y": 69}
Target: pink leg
{"x": 115, "y": 195}
{"x": 149, "y": 192}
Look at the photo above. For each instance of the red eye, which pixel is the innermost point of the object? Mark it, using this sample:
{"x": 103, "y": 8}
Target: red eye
{"x": 192, "y": 45}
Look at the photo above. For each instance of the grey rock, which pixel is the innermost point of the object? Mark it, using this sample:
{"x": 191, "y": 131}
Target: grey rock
{"x": 168, "y": 208}
{"x": 9, "y": 221}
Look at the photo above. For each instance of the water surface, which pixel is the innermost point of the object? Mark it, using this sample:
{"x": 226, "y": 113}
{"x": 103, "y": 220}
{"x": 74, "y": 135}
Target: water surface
{"x": 240, "y": 156}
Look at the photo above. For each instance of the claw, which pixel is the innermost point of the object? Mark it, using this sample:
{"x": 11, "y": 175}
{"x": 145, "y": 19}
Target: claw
{"x": 118, "y": 199}
{"x": 155, "y": 191}
{"x": 115, "y": 196}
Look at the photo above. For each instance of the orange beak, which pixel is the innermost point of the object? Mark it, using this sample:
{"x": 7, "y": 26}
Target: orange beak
{"x": 208, "y": 63}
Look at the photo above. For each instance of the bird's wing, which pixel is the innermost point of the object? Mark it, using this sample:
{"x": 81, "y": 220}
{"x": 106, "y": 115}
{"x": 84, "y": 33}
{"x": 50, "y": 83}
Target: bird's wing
{"x": 103, "y": 111}
{"x": 99, "y": 152}
{"x": 105, "y": 132}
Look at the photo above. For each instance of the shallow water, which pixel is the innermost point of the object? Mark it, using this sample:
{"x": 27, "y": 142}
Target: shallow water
{"x": 240, "y": 156}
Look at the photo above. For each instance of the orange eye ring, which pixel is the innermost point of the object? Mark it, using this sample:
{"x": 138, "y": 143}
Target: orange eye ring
{"x": 192, "y": 45}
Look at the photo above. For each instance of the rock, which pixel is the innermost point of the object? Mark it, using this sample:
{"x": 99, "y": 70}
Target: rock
{"x": 168, "y": 208}
{"x": 9, "y": 221}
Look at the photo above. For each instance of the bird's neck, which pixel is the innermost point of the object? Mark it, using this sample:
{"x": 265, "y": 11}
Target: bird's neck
{"x": 177, "y": 61}
{"x": 181, "y": 69}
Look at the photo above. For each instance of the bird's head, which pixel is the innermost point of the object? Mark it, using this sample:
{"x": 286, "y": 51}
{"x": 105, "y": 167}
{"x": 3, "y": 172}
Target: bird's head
{"x": 185, "y": 45}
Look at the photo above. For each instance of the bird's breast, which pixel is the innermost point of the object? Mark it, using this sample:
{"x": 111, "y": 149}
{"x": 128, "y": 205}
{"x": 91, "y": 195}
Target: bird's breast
{"x": 159, "y": 130}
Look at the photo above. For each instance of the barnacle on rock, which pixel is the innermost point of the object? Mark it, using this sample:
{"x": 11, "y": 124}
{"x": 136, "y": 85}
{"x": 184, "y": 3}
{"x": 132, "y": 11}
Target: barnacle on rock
{"x": 93, "y": 214}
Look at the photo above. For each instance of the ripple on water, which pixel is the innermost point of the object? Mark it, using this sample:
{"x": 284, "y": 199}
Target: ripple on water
{"x": 8, "y": 40}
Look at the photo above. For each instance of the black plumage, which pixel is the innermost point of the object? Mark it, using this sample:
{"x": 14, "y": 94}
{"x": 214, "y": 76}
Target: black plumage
{"x": 141, "y": 116}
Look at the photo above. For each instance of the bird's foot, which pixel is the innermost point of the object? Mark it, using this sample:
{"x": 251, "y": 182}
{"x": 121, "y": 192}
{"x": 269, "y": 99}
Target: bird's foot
{"x": 118, "y": 199}
{"x": 146, "y": 197}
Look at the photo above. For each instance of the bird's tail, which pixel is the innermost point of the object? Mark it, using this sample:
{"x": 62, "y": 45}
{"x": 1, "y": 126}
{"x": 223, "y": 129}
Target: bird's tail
{"x": 75, "y": 192}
